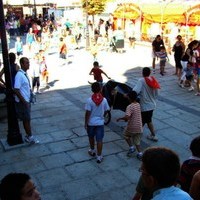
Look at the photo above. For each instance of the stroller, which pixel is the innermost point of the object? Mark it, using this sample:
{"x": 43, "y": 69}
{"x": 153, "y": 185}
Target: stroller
{"x": 114, "y": 93}
{"x": 113, "y": 45}
{"x": 117, "y": 45}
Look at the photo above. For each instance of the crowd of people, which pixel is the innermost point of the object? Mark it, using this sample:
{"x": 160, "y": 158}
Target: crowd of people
{"x": 157, "y": 181}
{"x": 187, "y": 61}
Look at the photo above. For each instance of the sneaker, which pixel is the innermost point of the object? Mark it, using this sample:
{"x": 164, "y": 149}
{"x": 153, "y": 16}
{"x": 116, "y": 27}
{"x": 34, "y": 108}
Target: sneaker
{"x": 197, "y": 94}
{"x": 92, "y": 152}
{"x": 31, "y": 139}
{"x": 152, "y": 137}
{"x": 191, "y": 88}
{"x": 181, "y": 85}
{"x": 139, "y": 156}
{"x": 99, "y": 159}
{"x": 130, "y": 152}
{"x": 161, "y": 73}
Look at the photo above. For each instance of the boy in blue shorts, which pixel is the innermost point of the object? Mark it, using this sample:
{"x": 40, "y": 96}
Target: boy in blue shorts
{"x": 95, "y": 107}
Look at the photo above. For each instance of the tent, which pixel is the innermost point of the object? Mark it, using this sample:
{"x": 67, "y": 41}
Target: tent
{"x": 193, "y": 15}
{"x": 162, "y": 12}
{"x": 127, "y": 11}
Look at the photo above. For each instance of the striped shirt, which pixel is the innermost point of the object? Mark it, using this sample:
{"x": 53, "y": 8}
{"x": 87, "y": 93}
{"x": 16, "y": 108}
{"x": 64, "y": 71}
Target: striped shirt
{"x": 135, "y": 122}
{"x": 162, "y": 55}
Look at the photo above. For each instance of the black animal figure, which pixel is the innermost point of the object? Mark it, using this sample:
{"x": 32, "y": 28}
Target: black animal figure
{"x": 115, "y": 93}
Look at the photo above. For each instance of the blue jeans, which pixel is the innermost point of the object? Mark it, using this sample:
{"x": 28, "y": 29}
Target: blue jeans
{"x": 96, "y": 131}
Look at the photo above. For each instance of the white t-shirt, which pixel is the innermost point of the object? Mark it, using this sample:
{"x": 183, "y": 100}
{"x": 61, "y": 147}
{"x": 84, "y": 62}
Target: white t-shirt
{"x": 147, "y": 95}
{"x": 22, "y": 83}
{"x": 97, "y": 112}
{"x": 35, "y": 68}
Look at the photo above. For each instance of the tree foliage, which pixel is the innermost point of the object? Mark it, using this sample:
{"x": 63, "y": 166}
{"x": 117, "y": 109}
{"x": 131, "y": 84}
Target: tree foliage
{"x": 94, "y": 7}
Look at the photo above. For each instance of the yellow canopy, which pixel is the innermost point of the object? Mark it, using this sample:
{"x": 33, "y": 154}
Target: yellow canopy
{"x": 164, "y": 12}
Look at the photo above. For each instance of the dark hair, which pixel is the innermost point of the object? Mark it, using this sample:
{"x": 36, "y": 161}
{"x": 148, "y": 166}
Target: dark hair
{"x": 163, "y": 164}
{"x": 95, "y": 63}
{"x": 146, "y": 71}
{"x": 96, "y": 87}
{"x": 191, "y": 44}
{"x": 158, "y": 36}
{"x": 195, "y": 146}
{"x": 132, "y": 95}
{"x": 12, "y": 57}
{"x": 22, "y": 59}
{"x": 179, "y": 36}
{"x": 12, "y": 184}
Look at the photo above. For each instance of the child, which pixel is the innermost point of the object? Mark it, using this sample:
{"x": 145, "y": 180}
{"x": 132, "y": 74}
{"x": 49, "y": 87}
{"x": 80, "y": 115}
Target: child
{"x": 188, "y": 169}
{"x": 163, "y": 58}
{"x": 94, "y": 51}
{"x": 19, "y": 46}
{"x": 36, "y": 74}
{"x": 63, "y": 49}
{"x": 133, "y": 130}
{"x": 189, "y": 76}
{"x": 95, "y": 108}
{"x": 43, "y": 68}
{"x": 96, "y": 72}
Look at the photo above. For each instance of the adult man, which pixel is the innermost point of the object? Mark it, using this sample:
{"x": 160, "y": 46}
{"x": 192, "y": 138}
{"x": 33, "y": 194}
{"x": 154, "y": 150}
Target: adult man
{"x": 22, "y": 90}
{"x": 160, "y": 170}
{"x": 147, "y": 89}
{"x": 156, "y": 44}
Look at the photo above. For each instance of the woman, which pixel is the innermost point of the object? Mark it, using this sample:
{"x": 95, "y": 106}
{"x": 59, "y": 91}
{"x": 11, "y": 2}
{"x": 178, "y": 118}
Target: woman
{"x": 187, "y": 59}
{"x": 178, "y": 49}
{"x": 30, "y": 38}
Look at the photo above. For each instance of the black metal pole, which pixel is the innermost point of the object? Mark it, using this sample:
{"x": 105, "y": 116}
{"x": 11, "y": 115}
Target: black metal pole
{"x": 14, "y": 136}
{"x": 87, "y": 27}
{"x": 35, "y": 10}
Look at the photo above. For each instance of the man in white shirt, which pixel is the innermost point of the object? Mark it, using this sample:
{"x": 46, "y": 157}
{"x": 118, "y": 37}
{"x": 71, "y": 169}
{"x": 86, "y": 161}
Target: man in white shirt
{"x": 22, "y": 89}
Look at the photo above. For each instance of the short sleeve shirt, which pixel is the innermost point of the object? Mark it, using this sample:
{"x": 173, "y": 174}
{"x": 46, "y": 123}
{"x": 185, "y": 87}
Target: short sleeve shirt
{"x": 97, "y": 112}
{"x": 135, "y": 122}
{"x": 171, "y": 193}
{"x": 157, "y": 45}
{"x": 97, "y": 74}
{"x": 22, "y": 83}
{"x": 147, "y": 95}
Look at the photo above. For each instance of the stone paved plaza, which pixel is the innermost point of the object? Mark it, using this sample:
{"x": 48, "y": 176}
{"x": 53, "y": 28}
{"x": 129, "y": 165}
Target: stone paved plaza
{"x": 60, "y": 165}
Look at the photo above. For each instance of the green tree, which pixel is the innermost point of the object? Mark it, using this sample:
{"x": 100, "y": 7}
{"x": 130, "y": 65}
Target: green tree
{"x": 94, "y": 7}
